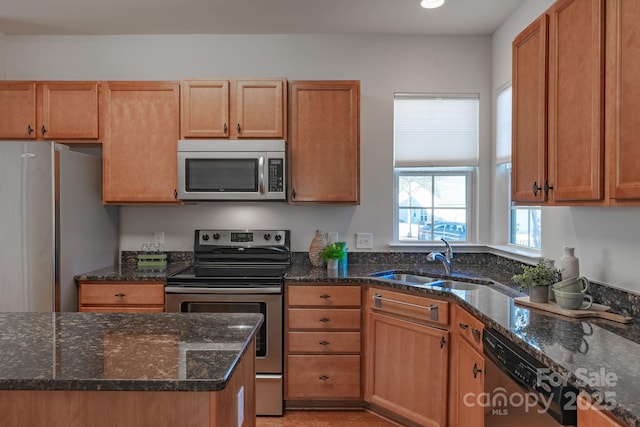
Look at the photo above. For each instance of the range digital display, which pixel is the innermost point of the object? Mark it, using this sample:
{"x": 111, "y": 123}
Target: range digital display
{"x": 242, "y": 237}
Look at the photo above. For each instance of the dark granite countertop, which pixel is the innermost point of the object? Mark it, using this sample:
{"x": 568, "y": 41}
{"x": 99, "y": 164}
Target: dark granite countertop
{"x": 597, "y": 356}
{"x": 122, "y": 352}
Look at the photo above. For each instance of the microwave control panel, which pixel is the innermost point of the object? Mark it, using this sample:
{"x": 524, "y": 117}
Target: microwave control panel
{"x": 276, "y": 175}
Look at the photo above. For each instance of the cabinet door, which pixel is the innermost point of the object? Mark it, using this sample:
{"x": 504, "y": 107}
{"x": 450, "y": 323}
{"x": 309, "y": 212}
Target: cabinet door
{"x": 325, "y": 141}
{"x": 140, "y": 144}
{"x": 623, "y": 98}
{"x": 69, "y": 111}
{"x": 529, "y": 126}
{"x": 591, "y": 416}
{"x": 259, "y": 108}
{"x": 467, "y": 383}
{"x": 406, "y": 369}
{"x": 576, "y": 100}
{"x": 17, "y": 110}
{"x": 204, "y": 109}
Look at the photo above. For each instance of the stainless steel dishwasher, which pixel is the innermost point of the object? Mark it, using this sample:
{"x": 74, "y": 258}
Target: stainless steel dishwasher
{"x": 519, "y": 390}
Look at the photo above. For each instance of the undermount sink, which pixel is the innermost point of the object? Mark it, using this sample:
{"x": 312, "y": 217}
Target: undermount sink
{"x": 412, "y": 278}
{"x": 417, "y": 280}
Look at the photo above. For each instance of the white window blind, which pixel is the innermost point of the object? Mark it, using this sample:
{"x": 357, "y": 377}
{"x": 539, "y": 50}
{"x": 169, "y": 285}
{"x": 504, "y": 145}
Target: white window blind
{"x": 503, "y": 126}
{"x": 435, "y": 130}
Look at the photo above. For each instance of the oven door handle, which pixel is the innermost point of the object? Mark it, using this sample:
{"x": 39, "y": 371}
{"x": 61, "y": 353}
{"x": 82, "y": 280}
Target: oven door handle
{"x": 214, "y": 290}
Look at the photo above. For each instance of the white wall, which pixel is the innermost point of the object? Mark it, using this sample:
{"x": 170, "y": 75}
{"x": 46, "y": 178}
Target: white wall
{"x": 606, "y": 239}
{"x": 384, "y": 64}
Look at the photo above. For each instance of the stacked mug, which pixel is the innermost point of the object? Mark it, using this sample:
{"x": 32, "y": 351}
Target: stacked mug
{"x": 570, "y": 293}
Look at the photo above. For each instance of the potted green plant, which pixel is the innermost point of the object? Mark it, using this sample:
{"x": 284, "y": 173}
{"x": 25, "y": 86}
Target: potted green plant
{"x": 537, "y": 279}
{"x": 331, "y": 254}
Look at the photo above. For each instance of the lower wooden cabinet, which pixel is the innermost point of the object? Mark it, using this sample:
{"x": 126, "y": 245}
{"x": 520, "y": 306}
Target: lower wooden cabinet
{"x": 406, "y": 365}
{"x": 104, "y": 296}
{"x": 467, "y": 370}
{"x": 323, "y": 344}
{"x": 324, "y": 376}
{"x": 590, "y": 416}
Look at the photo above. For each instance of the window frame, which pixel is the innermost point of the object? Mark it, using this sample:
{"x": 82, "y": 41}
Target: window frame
{"x": 469, "y": 172}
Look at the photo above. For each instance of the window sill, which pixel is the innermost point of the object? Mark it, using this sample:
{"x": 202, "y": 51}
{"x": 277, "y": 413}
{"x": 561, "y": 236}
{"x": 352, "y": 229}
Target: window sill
{"x": 517, "y": 254}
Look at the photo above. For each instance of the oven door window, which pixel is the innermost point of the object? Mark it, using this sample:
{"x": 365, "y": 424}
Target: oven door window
{"x": 222, "y": 175}
{"x": 235, "y": 307}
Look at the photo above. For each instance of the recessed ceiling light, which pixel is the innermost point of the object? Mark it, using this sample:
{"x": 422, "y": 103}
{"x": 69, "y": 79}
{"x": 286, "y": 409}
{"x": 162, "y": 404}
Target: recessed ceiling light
{"x": 431, "y": 4}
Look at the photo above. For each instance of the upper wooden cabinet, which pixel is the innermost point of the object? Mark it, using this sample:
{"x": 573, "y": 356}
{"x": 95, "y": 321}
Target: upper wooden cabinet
{"x": 325, "y": 142}
{"x": 233, "y": 109}
{"x": 529, "y": 126}
{"x": 558, "y": 106}
{"x": 50, "y": 110}
{"x": 623, "y": 101}
{"x": 576, "y": 101}
{"x": 140, "y": 144}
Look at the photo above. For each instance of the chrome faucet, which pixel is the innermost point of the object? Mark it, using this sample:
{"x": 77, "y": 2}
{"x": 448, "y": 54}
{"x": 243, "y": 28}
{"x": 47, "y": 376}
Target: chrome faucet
{"x": 446, "y": 259}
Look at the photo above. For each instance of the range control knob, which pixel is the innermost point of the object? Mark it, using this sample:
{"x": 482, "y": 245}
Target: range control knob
{"x": 278, "y": 237}
{"x": 216, "y": 236}
{"x": 267, "y": 236}
{"x": 205, "y": 237}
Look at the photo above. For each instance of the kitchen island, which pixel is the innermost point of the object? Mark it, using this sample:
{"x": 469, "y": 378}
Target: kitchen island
{"x": 113, "y": 369}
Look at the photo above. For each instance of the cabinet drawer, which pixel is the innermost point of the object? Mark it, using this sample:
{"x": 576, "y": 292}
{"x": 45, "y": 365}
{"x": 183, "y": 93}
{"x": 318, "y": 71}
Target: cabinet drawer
{"x": 469, "y": 327}
{"x": 117, "y": 294}
{"x": 327, "y": 377}
{"x": 341, "y": 318}
{"x": 423, "y": 309}
{"x": 325, "y": 296}
{"x": 324, "y": 342}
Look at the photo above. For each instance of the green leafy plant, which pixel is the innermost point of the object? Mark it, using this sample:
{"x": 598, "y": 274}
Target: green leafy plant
{"x": 332, "y": 251}
{"x": 541, "y": 274}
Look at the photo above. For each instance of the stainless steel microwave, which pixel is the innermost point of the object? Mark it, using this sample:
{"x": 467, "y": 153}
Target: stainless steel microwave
{"x": 231, "y": 170}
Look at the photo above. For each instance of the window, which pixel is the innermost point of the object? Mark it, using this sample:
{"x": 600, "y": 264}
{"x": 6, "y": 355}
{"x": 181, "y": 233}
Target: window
{"x": 524, "y": 221}
{"x": 435, "y": 156}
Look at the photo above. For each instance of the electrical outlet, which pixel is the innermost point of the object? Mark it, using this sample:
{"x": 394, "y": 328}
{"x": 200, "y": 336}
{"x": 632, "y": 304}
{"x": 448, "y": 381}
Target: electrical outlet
{"x": 240, "y": 406}
{"x": 332, "y": 236}
{"x": 364, "y": 240}
{"x": 158, "y": 237}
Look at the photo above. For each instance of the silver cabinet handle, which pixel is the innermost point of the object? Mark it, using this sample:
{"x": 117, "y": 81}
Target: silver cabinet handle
{"x": 261, "y": 168}
{"x": 433, "y": 308}
{"x": 463, "y": 326}
{"x": 120, "y": 295}
{"x": 323, "y": 377}
{"x": 324, "y": 343}
{"x": 325, "y": 296}
{"x": 325, "y": 320}
{"x": 476, "y": 333}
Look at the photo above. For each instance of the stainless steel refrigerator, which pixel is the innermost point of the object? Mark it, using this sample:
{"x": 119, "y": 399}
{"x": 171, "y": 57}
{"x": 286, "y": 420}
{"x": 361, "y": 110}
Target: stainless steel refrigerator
{"x": 53, "y": 225}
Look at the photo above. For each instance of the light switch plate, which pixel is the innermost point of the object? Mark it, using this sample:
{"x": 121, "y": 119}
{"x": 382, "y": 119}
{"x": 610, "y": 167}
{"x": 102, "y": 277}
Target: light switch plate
{"x": 332, "y": 236}
{"x": 364, "y": 240}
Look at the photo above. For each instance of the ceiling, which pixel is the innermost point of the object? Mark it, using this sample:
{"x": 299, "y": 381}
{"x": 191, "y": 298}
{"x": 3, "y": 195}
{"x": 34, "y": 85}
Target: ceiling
{"x": 111, "y": 17}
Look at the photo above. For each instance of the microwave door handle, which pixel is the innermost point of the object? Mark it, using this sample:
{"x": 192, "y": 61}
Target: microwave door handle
{"x": 261, "y": 179}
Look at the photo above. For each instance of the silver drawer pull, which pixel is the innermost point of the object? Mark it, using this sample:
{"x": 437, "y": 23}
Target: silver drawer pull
{"x": 325, "y": 296}
{"x": 476, "y": 333}
{"x": 325, "y": 320}
{"x": 120, "y": 295}
{"x": 463, "y": 326}
{"x": 432, "y": 309}
{"x": 324, "y": 343}
{"x": 323, "y": 377}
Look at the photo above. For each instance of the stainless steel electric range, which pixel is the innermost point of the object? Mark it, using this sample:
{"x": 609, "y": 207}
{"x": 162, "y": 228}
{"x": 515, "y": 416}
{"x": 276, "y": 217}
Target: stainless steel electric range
{"x": 241, "y": 271}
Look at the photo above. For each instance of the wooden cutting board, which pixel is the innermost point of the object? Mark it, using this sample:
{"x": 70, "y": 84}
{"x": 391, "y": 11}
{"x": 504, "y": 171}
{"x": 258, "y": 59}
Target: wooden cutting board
{"x": 596, "y": 310}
